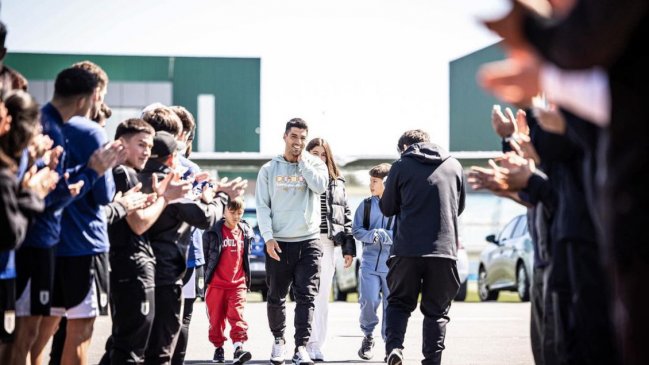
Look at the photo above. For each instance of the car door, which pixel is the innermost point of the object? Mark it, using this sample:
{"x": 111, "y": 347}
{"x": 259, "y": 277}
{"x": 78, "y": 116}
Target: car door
{"x": 497, "y": 267}
{"x": 512, "y": 247}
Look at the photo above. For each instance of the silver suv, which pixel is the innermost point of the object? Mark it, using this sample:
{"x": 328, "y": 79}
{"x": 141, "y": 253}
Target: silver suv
{"x": 506, "y": 263}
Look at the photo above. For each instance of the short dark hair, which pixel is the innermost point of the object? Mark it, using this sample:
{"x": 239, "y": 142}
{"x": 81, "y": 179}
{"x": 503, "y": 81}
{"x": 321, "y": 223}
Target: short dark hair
{"x": 296, "y": 123}
{"x": 380, "y": 171}
{"x": 411, "y": 137}
{"x": 163, "y": 119}
{"x": 186, "y": 118}
{"x": 133, "y": 126}
{"x": 3, "y": 34}
{"x": 235, "y": 204}
{"x": 73, "y": 82}
{"x": 93, "y": 68}
{"x": 25, "y": 124}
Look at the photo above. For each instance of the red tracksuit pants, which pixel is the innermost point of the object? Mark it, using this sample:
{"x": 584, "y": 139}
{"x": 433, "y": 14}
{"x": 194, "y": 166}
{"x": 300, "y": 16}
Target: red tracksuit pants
{"x": 226, "y": 305}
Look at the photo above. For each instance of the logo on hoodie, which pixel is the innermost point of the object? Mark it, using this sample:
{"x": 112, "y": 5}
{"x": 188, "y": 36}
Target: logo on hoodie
{"x": 292, "y": 182}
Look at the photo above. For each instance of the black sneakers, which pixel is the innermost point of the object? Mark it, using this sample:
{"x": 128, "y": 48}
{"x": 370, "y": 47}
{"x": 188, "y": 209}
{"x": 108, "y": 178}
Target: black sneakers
{"x": 395, "y": 357}
{"x": 219, "y": 355}
{"x": 241, "y": 355}
{"x": 367, "y": 345}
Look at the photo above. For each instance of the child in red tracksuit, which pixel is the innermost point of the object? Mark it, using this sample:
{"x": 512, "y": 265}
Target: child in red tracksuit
{"x": 227, "y": 273}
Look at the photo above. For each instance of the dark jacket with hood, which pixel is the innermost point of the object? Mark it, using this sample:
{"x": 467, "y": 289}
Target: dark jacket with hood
{"x": 213, "y": 244}
{"x": 169, "y": 234}
{"x": 425, "y": 192}
{"x": 339, "y": 217}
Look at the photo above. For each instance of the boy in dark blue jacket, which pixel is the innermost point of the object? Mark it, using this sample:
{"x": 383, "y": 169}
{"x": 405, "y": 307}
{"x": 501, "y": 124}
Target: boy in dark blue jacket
{"x": 375, "y": 231}
{"x": 227, "y": 273}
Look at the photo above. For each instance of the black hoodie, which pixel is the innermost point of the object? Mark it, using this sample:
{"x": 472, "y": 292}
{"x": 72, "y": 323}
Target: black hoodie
{"x": 425, "y": 191}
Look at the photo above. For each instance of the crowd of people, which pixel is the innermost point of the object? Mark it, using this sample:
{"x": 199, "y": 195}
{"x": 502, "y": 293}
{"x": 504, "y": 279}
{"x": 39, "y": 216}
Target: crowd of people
{"x": 130, "y": 227}
{"x": 575, "y": 154}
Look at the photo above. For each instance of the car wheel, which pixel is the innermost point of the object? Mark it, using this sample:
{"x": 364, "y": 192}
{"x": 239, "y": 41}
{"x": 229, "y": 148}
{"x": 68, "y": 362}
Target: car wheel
{"x": 522, "y": 283}
{"x": 483, "y": 291}
{"x": 461, "y": 294}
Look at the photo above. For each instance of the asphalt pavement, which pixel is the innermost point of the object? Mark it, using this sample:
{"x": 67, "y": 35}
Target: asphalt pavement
{"x": 479, "y": 333}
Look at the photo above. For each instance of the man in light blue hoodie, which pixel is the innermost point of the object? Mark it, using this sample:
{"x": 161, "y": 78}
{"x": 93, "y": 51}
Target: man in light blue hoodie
{"x": 288, "y": 211}
{"x": 375, "y": 231}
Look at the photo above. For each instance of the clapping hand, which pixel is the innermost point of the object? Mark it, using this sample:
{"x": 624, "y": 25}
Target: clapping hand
{"x": 40, "y": 181}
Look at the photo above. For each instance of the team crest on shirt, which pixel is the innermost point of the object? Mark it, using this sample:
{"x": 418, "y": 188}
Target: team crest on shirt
{"x": 44, "y": 296}
{"x": 144, "y": 307}
{"x": 201, "y": 283}
{"x": 9, "y": 321}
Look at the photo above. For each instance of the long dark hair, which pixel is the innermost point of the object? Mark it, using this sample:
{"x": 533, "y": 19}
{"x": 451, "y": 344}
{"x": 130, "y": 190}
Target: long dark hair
{"x": 25, "y": 125}
{"x": 334, "y": 172}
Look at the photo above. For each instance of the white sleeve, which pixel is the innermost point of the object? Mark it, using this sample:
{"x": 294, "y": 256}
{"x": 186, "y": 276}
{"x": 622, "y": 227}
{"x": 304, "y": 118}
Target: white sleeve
{"x": 585, "y": 93}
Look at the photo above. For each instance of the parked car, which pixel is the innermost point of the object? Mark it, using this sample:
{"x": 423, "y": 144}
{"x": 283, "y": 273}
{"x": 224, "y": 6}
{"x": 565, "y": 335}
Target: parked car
{"x": 346, "y": 279}
{"x": 506, "y": 263}
{"x": 257, "y": 255}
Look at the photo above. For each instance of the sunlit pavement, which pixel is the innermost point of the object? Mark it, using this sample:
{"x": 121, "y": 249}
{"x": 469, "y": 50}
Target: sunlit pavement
{"x": 479, "y": 333}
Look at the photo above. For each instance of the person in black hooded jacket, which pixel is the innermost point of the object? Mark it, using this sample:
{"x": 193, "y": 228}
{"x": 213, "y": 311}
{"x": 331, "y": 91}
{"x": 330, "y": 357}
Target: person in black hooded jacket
{"x": 425, "y": 191}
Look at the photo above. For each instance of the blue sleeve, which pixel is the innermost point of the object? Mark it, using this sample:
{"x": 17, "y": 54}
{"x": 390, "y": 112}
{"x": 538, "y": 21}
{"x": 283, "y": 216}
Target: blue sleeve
{"x": 104, "y": 189}
{"x": 359, "y": 232}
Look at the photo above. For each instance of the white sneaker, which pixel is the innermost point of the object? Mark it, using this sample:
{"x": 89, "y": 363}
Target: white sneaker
{"x": 278, "y": 353}
{"x": 302, "y": 357}
{"x": 314, "y": 353}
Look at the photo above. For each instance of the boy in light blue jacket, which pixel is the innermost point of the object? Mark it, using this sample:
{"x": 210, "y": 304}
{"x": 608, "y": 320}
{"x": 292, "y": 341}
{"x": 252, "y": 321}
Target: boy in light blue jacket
{"x": 375, "y": 231}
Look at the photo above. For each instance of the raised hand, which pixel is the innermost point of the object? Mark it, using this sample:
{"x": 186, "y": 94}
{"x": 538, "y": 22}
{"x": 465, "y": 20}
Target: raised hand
{"x": 234, "y": 188}
{"x": 51, "y": 157}
{"x": 133, "y": 199}
{"x": 504, "y": 126}
{"x": 40, "y": 181}
{"x": 513, "y": 80}
{"x": 174, "y": 187}
{"x": 39, "y": 146}
{"x": 523, "y": 146}
{"x": 75, "y": 189}
{"x": 106, "y": 157}
{"x": 550, "y": 119}
{"x": 208, "y": 193}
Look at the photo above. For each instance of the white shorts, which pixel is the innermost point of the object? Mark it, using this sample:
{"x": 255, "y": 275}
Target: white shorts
{"x": 189, "y": 289}
{"x": 88, "y": 308}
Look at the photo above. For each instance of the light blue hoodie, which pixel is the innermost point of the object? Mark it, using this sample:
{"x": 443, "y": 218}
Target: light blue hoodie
{"x": 288, "y": 198}
{"x": 375, "y": 254}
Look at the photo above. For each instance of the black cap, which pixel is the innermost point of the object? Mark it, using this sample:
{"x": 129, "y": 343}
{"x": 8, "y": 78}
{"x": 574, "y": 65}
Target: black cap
{"x": 164, "y": 144}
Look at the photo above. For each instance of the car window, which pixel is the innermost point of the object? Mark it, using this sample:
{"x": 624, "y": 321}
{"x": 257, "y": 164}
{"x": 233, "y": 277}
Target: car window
{"x": 506, "y": 233}
{"x": 521, "y": 228}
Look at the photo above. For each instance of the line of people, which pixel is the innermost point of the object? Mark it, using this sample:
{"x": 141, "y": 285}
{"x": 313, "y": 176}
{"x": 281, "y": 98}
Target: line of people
{"x": 95, "y": 224}
{"x": 578, "y": 70}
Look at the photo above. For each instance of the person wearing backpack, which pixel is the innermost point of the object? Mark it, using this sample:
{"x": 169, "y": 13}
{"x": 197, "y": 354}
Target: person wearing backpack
{"x": 375, "y": 231}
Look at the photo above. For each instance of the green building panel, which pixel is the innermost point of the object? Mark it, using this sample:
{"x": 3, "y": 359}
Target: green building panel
{"x": 234, "y": 82}
{"x": 470, "y": 105}
{"x": 39, "y": 66}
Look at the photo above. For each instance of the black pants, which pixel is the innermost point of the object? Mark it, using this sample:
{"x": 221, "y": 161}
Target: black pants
{"x": 180, "y": 350}
{"x": 132, "y": 311}
{"x": 300, "y": 265}
{"x": 581, "y": 303}
{"x": 438, "y": 282}
{"x": 542, "y": 320}
{"x": 166, "y": 324}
